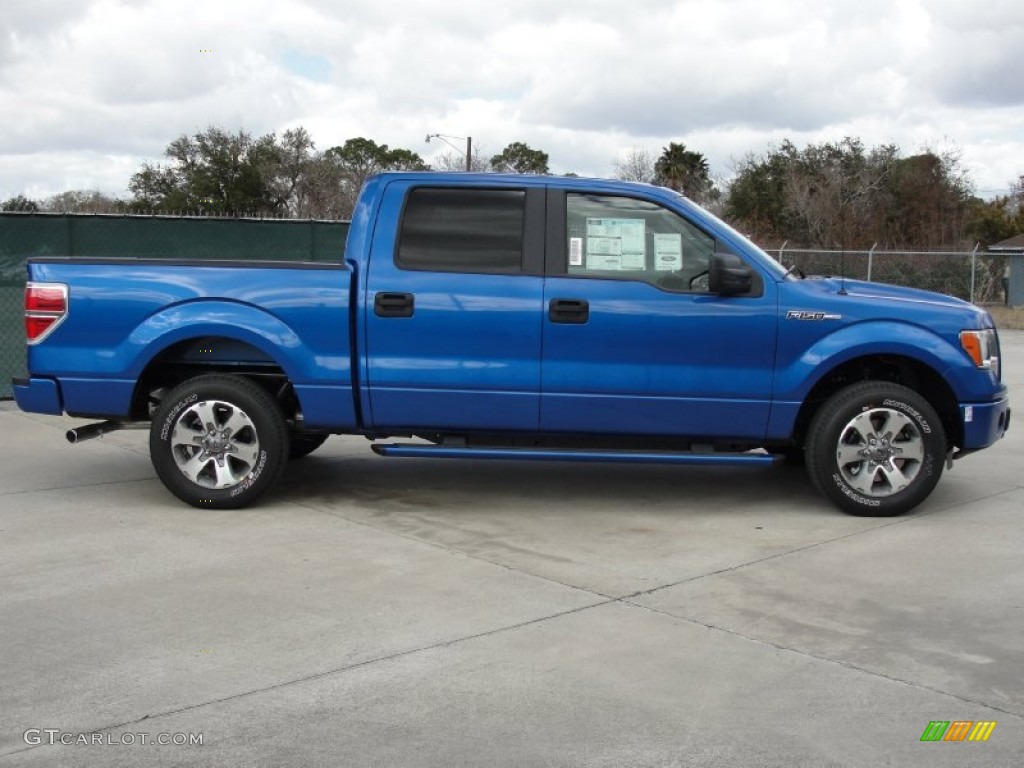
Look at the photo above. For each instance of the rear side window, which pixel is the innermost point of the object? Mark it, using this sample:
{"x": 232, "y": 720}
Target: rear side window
{"x": 463, "y": 230}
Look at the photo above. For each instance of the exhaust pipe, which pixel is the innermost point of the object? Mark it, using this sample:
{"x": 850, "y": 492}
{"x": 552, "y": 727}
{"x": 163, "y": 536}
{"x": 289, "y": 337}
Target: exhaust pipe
{"x": 100, "y": 428}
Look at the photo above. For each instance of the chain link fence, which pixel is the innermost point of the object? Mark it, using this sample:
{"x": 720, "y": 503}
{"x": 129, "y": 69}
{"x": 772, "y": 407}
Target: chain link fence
{"x": 975, "y": 276}
{"x": 23, "y": 235}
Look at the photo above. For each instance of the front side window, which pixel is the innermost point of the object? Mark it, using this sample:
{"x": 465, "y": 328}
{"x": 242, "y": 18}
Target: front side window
{"x": 463, "y": 230}
{"x": 627, "y": 239}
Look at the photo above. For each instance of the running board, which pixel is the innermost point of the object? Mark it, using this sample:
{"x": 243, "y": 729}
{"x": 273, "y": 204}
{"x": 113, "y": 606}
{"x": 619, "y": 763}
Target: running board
{"x": 413, "y": 450}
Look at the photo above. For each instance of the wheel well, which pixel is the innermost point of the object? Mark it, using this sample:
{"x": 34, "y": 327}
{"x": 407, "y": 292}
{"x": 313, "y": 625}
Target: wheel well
{"x": 906, "y": 371}
{"x": 210, "y": 354}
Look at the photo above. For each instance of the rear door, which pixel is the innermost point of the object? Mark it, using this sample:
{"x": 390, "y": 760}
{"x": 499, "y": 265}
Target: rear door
{"x": 453, "y": 308}
{"x": 634, "y": 344}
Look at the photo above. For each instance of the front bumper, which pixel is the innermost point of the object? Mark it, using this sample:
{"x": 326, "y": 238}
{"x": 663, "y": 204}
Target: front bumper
{"x": 984, "y": 423}
{"x": 38, "y": 395}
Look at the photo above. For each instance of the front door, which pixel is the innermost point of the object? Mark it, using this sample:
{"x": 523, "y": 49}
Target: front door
{"x": 634, "y": 344}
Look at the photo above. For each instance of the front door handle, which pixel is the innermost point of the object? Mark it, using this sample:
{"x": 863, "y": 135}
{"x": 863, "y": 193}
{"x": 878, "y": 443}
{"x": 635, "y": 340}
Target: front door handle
{"x": 569, "y": 311}
{"x": 393, "y": 304}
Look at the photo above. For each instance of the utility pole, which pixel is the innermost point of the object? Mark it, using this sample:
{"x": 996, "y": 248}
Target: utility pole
{"x": 469, "y": 146}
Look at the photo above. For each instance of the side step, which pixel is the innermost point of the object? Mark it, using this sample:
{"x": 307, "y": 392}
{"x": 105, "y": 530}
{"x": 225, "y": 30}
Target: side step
{"x": 414, "y": 450}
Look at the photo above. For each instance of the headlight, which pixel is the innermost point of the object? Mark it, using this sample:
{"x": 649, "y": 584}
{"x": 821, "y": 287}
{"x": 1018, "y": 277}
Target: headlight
{"x": 983, "y": 348}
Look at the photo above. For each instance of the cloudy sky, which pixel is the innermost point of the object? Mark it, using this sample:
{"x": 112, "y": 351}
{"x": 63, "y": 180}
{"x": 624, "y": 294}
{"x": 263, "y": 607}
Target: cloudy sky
{"x": 91, "y": 88}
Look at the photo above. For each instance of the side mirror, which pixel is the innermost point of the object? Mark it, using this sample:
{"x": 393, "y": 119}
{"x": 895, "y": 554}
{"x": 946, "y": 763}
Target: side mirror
{"x": 728, "y": 275}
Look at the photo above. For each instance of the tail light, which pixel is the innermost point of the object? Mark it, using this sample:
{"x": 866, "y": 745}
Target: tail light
{"x": 46, "y": 306}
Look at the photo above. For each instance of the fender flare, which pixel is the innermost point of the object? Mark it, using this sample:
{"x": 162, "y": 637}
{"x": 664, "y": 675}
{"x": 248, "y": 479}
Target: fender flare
{"x": 867, "y": 339}
{"x": 218, "y": 317}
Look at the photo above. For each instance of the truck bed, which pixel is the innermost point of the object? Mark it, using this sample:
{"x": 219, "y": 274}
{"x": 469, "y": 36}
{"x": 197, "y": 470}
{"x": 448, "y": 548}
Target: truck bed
{"x": 124, "y": 312}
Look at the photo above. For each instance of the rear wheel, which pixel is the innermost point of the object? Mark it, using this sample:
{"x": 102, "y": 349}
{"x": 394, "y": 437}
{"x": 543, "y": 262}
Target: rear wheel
{"x": 875, "y": 449}
{"x": 218, "y": 441}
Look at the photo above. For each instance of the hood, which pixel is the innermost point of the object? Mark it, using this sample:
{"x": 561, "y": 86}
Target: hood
{"x": 883, "y": 291}
{"x": 860, "y": 300}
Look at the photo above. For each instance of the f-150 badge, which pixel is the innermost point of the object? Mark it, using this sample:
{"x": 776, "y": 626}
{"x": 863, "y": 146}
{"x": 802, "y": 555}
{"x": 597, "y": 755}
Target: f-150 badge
{"x": 801, "y": 314}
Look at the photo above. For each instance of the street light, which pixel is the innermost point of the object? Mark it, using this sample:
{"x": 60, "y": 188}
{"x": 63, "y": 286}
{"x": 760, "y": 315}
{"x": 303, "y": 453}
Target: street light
{"x": 469, "y": 146}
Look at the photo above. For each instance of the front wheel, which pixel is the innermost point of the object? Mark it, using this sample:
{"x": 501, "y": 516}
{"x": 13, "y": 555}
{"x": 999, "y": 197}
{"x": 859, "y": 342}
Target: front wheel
{"x": 218, "y": 441}
{"x": 875, "y": 449}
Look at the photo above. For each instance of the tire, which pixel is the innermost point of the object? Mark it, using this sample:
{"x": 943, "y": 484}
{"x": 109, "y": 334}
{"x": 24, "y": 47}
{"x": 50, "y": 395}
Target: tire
{"x": 876, "y": 449}
{"x": 304, "y": 444}
{"x": 218, "y": 442}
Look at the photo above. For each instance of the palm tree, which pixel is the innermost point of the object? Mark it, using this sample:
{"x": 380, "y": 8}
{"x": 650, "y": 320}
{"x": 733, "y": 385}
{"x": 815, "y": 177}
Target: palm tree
{"x": 684, "y": 171}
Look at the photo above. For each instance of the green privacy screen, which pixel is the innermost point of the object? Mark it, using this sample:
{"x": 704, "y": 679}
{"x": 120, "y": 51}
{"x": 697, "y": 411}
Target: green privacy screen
{"x": 23, "y": 235}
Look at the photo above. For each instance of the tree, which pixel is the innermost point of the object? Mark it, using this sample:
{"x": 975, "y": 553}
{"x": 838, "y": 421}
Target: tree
{"x": 756, "y": 196}
{"x": 924, "y": 202}
{"x": 636, "y": 165}
{"x": 320, "y": 193}
{"x": 993, "y": 221}
{"x": 360, "y": 158}
{"x": 832, "y": 192}
{"x": 684, "y": 171}
{"x": 1017, "y": 194}
{"x": 518, "y": 157}
{"x": 82, "y": 201}
{"x": 286, "y": 168}
{"x": 233, "y": 174}
{"x": 844, "y": 194}
{"x": 455, "y": 162}
{"x": 19, "y": 203}
{"x": 212, "y": 172}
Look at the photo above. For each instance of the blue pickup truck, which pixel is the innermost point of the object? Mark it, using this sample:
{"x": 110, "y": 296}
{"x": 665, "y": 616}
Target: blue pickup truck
{"x": 517, "y": 317}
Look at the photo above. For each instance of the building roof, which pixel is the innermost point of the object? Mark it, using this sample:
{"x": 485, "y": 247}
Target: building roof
{"x": 1014, "y": 244}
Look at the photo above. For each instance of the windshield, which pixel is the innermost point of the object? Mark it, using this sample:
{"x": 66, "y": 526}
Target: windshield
{"x": 770, "y": 262}
{"x": 777, "y": 269}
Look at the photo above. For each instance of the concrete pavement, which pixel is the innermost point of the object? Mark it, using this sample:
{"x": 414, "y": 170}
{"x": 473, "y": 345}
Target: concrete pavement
{"x": 428, "y": 613}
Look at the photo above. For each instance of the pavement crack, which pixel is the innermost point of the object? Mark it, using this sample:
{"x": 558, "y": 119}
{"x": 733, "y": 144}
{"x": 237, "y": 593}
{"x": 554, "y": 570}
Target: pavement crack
{"x": 813, "y": 545}
{"x": 759, "y": 560}
{"x": 825, "y": 659}
{"x": 457, "y": 551}
{"x": 76, "y": 486}
{"x": 149, "y": 716}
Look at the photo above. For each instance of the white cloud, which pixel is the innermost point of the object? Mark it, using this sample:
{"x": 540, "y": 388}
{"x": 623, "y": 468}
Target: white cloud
{"x": 90, "y": 89}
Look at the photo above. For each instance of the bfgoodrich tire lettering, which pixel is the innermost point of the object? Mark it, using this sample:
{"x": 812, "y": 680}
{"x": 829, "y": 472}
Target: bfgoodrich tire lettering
{"x": 875, "y": 449}
{"x": 218, "y": 441}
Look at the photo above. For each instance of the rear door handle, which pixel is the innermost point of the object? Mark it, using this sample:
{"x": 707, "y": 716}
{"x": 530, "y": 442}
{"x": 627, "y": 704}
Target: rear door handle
{"x": 393, "y": 304}
{"x": 569, "y": 311}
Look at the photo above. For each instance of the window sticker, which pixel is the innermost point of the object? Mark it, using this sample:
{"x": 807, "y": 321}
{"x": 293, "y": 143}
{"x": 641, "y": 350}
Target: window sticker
{"x": 604, "y": 253}
{"x": 668, "y": 252}
{"x": 616, "y": 244}
{"x": 575, "y": 251}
